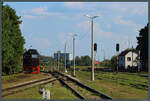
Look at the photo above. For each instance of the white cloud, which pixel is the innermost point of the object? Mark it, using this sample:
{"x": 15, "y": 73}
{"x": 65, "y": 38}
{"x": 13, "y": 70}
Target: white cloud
{"x": 130, "y": 8}
{"x": 140, "y": 10}
{"x": 65, "y": 37}
{"x": 85, "y": 26}
{"x": 40, "y": 12}
{"x": 75, "y": 5}
{"x": 83, "y": 6}
{"x": 102, "y": 33}
{"x": 29, "y": 16}
{"x": 117, "y": 7}
{"x": 108, "y": 26}
{"x": 128, "y": 23}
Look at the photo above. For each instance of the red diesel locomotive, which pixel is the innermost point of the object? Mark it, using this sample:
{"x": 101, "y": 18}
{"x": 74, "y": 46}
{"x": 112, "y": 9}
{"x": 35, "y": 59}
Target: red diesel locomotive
{"x": 31, "y": 61}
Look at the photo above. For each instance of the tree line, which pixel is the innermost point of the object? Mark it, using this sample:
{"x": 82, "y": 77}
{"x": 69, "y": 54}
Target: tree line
{"x": 142, "y": 41}
{"x": 12, "y": 41}
{"x": 82, "y": 61}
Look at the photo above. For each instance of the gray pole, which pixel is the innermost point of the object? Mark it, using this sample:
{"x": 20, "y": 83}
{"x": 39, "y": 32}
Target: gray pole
{"x": 58, "y": 61}
{"x": 139, "y": 62}
{"x": 65, "y": 58}
{"x": 117, "y": 61}
{"x": 92, "y": 49}
{"x": 92, "y": 46}
{"x": 73, "y": 55}
{"x": 104, "y": 55}
{"x": 132, "y": 56}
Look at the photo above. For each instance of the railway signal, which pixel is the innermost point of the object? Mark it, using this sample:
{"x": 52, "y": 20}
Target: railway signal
{"x": 95, "y": 47}
{"x": 117, "y": 51}
{"x": 117, "y": 47}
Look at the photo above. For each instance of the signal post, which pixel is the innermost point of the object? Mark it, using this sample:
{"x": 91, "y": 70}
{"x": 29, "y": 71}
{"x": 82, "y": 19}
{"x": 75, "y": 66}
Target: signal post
{"x": 117, "y": 53}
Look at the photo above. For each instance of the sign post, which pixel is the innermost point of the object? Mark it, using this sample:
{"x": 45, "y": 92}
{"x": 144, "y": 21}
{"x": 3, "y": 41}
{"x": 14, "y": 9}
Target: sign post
{"x": 95, "y": 50}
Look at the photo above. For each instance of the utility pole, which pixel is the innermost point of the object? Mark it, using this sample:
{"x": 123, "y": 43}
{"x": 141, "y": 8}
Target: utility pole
{"x": 92, "y": 45}
{"x": 65, "y": 58}
{"x": 74, "y": 54}
{"x": 132, "y": 56}
{"x": 104, "y": 54}
{"x": 58, "y": 54}
{"x": 139, "y": 62}
{"x": 58, "y": 61}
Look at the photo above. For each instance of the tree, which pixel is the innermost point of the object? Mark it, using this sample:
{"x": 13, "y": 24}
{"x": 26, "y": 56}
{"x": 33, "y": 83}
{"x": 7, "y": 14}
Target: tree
{"x": 143, "y": 47}
{"x": 106, "y": 63}
{"x": 83, "y": 60}
{"x": 113, "y": 62}
{"x": 12, "y": 41}
{"x": 77, "y": 60}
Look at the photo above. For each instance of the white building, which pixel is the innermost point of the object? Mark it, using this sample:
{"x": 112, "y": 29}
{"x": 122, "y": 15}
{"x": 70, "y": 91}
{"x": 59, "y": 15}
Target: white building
{"x": 127, "y": 59}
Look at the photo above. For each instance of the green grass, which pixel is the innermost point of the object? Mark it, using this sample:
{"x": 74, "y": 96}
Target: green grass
{"x": 57, "y": 91}
{"x": 117, "y": 85}
{"x": 8, "y": 77}
{"x": 31, "y": 93}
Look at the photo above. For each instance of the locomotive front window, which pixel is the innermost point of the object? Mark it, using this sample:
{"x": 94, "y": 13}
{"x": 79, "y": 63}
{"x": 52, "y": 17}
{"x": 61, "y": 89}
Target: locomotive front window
{"x": 34, "y": 56}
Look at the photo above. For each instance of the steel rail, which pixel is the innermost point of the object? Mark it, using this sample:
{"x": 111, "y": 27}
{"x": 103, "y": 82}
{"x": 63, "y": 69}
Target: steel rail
{"x": 72, "y": 89}
{"x": 26, "y": 86}
{"x": 26, "y": 83}
{"x": 85, "y": 86}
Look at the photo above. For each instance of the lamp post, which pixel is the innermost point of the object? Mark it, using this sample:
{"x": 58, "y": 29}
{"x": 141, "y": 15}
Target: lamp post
{"x": 74, "y": 54}
{"x": 92, "y": 45}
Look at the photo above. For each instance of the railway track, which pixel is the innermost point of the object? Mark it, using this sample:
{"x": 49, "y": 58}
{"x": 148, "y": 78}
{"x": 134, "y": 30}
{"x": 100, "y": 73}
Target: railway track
{"x": 26, "y": 85}
{"x": 79, "y": 89}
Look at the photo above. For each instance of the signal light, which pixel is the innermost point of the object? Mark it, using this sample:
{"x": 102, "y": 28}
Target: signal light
{"x": 117, "y": 47}
{"x": 95, "y": 47}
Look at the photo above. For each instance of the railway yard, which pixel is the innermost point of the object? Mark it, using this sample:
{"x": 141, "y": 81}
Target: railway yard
{"x": 64, "y": 86}
{"x": 74, "y": 51}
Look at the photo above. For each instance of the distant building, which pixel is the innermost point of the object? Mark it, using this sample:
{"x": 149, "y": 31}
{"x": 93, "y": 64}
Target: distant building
{"x": 62, "y": 55}
{"x": 98, "y": 62}
{"x": 127, "y": 58}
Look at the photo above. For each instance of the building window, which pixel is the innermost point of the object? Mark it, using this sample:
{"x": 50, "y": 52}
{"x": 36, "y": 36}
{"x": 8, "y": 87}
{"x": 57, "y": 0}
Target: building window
{"x": 128, "y": 58}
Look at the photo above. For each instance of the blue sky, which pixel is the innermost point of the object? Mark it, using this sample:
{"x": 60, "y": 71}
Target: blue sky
{"x": 48, "y": 25}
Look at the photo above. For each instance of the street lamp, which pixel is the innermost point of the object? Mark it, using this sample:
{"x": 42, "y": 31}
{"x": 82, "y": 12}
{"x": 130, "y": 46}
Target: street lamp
{"x": 74, "y": 54}
{"x": 92, "y": 44}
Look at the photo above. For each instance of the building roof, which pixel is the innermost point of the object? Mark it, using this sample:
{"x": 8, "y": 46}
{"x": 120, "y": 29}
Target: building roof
{"x": 98, "y": 62}
{"x": 123, "y": 53}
